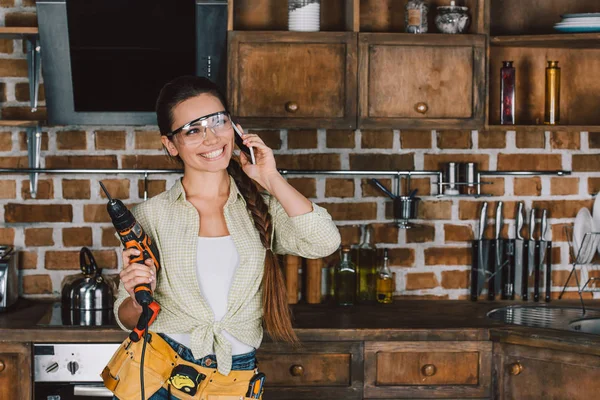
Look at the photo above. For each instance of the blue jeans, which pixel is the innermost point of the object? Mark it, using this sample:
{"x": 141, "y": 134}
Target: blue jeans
{"x": 240, "y": 362}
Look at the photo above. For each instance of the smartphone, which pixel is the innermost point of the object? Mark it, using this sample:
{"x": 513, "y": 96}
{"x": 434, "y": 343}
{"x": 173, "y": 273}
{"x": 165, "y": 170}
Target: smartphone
{"x": 240, "y": 143}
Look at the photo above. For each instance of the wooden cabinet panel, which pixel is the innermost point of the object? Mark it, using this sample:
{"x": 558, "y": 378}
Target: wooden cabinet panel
{"x": 307, "y": 369}
{"x": 421, "y": 81}
{"x": 15, "y": 371}
{"x": 427, "y": 369}
{"x": 289, "y": 80}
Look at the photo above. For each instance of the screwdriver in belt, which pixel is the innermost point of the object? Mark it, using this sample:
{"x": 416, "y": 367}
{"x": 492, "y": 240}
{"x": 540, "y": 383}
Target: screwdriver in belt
{"x": 255, "y": 386}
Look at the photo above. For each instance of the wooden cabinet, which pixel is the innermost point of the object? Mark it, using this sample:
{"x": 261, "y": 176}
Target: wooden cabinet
{"x": 421, "y": 81}
{"x": 431, "y": 370}
{"x": 525, "y": 373}
{"x": 15, "y": 371}
{"x": 287, "y": 80}
{"x": 313, "y": 370}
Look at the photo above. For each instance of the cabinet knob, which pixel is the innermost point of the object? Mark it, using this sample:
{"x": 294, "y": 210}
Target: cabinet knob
{"x": 429, "y": 370}
{"x": 291, "y": 106}
{"x": 297, "y": 370}
{"x": 2, "y": 365}
{"x": 421, "y": 107}
{"x": 515, "y": 368}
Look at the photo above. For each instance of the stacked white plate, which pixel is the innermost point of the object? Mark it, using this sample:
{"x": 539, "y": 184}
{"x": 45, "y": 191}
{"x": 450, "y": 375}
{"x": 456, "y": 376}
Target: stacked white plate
{"x": 577, "y": 23}
{"x": 305, "y": 18}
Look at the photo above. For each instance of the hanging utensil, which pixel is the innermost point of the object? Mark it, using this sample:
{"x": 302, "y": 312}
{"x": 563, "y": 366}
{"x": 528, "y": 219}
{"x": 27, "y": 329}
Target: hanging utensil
{"x": 518, "y": 270}
{"x": 380, "y": 186}
{"x": 497, "y": 249}
{"x": 480, "y": 259}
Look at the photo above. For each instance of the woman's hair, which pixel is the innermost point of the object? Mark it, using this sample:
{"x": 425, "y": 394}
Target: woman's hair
{"x": 276, "y": 313}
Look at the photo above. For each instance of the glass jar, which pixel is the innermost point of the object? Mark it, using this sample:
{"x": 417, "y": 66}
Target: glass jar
{"x": 415, "y": 16}
{"x": 345, "y": 279}
{"x": 507, "y": 93}
{"x": 367, "y": 268}
{"x": 304, "y": 15}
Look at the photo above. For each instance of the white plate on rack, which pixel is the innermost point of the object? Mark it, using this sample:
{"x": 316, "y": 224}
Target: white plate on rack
{"x": 584, "y": 223}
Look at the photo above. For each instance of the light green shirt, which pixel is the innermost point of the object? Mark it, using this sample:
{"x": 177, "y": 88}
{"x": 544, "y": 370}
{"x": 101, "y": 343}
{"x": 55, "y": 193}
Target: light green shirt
{"x": 173, "y": 223}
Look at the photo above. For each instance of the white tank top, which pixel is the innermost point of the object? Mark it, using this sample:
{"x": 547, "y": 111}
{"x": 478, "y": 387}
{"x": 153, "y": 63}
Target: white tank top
{"x": 217, "y": 260}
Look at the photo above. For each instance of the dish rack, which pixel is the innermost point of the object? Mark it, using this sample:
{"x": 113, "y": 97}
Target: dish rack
{"x": 583, "y": 259}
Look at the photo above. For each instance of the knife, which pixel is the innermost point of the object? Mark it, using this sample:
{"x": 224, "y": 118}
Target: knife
{"x": 518, "y": 271}
{"x": 540, "y": 248}
{"x": 495, "y": 284}
{"x": 479, "y": 256}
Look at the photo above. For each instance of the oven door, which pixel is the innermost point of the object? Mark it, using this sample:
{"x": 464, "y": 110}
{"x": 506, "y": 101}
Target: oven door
{"x": 70, "y": 391}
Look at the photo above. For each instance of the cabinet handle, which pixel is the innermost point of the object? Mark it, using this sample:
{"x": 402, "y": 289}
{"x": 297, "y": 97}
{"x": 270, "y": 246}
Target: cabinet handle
{"x": 2, "y": 365}
{"x": 421, "y": 107}
{"x": 297, "y": 370}
{"x": 429, "y": 370}
{"x": 291, "y": 106}
{"x": 515, "y": 368}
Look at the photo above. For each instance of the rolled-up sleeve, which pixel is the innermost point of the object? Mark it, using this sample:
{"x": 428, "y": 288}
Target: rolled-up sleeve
{"x": 310, "y": 235}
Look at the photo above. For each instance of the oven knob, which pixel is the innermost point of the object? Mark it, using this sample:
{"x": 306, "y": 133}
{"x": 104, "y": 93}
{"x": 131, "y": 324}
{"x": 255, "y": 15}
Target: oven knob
{"x": 73, "y": 367}
{"x": 52, "y": 367}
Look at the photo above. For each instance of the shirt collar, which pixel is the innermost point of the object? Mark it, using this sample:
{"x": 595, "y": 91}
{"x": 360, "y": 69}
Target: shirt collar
{"x": 178, "y": 193}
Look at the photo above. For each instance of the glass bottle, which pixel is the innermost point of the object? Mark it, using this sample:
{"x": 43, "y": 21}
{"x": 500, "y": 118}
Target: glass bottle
{"x": 507, "y": 93}
{"x": 385, "y": 282}
{"x": 345, "y": 279}
{"x": 415, "y": 16}
{"x": 552, "y": 106}
{"x": 367, "y": 268}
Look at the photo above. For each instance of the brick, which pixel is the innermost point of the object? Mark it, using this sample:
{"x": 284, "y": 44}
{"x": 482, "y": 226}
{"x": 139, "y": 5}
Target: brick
{"x": 23, "y": 19}
{"x": 558, "y": 232}
{"x": 448, "y": 256}
{"x": 308, "y": 161}
{"x": 563, "y": 140}
{"x": 423, "y": 186}
{"x": 118, "y": 188}
{"x": 62, "y": 260}
{"x": 594, "y": 140}
{"x": 39, "y": 237}
{"x": 306, "y": 186}
{"x": 45, "y": 189}
{"x": 382, "y": 162}
{"x": 77, "y": 237}
{"x": 556, "y": 256}
{"x": 340, "y": 139}
{"x": 492, "y": 139}
{"x": 455, "y": 279}
{"x": 593, "y": 185}
{"x": 5, "y": 141}
{"x": 272, "y": 138}
{"x": 458, "y": 233}
{"x": 495, "y": 187}
{"x": 149, "y": 162}
{"x": 106, "y": 259}
{"x": 420, "y": 234}
{"x": 401, "y": 257}
{"x": 377, "y": 139}
{"x": 8, "y": 189}
{"x": 109, "y": 239}
{"x": 530, "y": 140}
{"x": 28, "y": 3}
{"x": 436, "y": 162}
{"x": 23, "y": 141}
{"x": 6, "y": 46}
{"x": 572, "y": 295}
{"x": 564, "y": 186}
{"x": 415, "y": 139}
{"x": 586, "y": 162}
{"x": 14, "y": 213}
{"x": 110, "y": 140}
{"x": 37, "y": 284}
{"x": 351, "y": 211}
{"x": 529, "y": 162}
{"x": 471, "y": 209}
{"x": 350, "y": 234}
{"x": 454, "y": 139}
{"x": 302, "y": 139}
{"x": 339, "y": 187}
{"x": 421, "y": 280}
{"x": 7, "y": 3}
{"x": 370, "y": 190}
{"x": 13, "y": 67}
{"x": 531, "y": 186}
{"x": 14, "y": 162}
{"x": 76, "y": 189}
{"x": 431, "y": 209}
{"x": 559, "y": 278}
{"x": 22, "y": 92}
{"x": 154, "y": 187}
{"x": 24, "y": 113}
{"x": 385, "y": 233}
{"x": 28, "y": 259}
{"x": 7, "y": 236}
{"x": 86, "y": 161}
{"x": 95, "y": 213}
{"x": 149, "y": 140}
{"x": 562, "y": 208}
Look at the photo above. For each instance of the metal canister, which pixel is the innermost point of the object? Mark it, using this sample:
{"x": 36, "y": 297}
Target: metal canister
{"x": 451, "y": 178}
{"x": 468, "y": 175}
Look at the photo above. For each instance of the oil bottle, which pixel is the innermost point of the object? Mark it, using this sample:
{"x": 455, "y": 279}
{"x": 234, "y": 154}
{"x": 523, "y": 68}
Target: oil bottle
{"x": 385, "y": 282}
{"x": 367, "y": 268}
{"x": 345, "y": 279}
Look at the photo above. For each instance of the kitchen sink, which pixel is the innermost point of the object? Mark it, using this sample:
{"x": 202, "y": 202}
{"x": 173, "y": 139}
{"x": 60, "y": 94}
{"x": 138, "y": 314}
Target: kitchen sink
{"x": 550, "y": 317}
{"x": 587, "y": 325}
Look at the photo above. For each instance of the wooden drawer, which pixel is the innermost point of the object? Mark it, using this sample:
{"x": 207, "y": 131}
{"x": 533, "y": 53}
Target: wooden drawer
{"x": 15, "y": 371}
{"x": 427, "y": 369}
{"x": 312, "y": 370}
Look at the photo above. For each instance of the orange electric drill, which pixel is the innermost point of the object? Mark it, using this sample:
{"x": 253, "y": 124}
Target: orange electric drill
{"x": 133, "y": 236}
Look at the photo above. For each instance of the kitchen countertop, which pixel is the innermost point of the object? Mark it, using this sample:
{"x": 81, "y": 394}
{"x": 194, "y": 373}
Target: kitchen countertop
{"x": 404, "y": 320}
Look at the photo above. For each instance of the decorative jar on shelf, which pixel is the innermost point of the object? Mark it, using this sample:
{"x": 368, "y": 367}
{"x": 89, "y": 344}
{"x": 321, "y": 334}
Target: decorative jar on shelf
{"x": 415, "y": 16}
{"x": 452, "y": 18}
{"x": 304, "y": 15}
{"x": 552, "y": 103}
{"x": 507, "y": 93}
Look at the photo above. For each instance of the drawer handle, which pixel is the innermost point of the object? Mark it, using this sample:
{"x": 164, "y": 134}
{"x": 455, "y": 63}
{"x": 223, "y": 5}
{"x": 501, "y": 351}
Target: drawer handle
{"x": 429, "y": 370}
{"x": 291, "y": 106}
{"x": 421, "y": 107}
{"x": 297, "y": 370}
{"x": 515, "y": 368}
{"x": 2, "y": 365}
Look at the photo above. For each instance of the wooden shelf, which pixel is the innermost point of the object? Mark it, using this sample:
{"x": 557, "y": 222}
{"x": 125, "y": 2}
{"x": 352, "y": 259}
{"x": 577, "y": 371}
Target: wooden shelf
{"x": 559, "y": 40}
{"x": 17, "y": 32}
{"x": 24, "y": 124}
{"x": 551, "y": 128}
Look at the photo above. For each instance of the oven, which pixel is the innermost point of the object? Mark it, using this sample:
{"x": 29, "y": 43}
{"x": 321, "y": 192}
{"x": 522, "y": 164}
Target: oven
{"x": 71, "y": 371}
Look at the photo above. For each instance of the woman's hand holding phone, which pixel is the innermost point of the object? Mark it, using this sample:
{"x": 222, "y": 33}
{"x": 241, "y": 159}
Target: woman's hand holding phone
{"x": 264, "y": 169}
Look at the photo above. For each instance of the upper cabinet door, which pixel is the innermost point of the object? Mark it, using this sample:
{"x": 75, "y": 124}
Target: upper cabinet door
{"x": 429, "y": 81}
{"x": 291, "y": 80}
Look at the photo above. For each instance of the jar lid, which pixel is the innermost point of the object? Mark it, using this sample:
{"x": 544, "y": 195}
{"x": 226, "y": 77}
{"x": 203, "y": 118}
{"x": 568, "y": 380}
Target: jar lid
{"x": 452, "y": 7}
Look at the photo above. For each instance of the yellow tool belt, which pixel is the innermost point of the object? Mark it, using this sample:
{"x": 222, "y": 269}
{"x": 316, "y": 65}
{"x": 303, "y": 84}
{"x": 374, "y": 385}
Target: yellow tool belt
{"x": 163, "y": 367}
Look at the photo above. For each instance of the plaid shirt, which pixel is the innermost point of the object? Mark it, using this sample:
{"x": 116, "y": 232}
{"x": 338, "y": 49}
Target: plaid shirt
{"x": 173, "y": 223}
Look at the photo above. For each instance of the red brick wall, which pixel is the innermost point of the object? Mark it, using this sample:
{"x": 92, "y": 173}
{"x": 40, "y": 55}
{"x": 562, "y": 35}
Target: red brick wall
{"x": 430, "y": 261}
